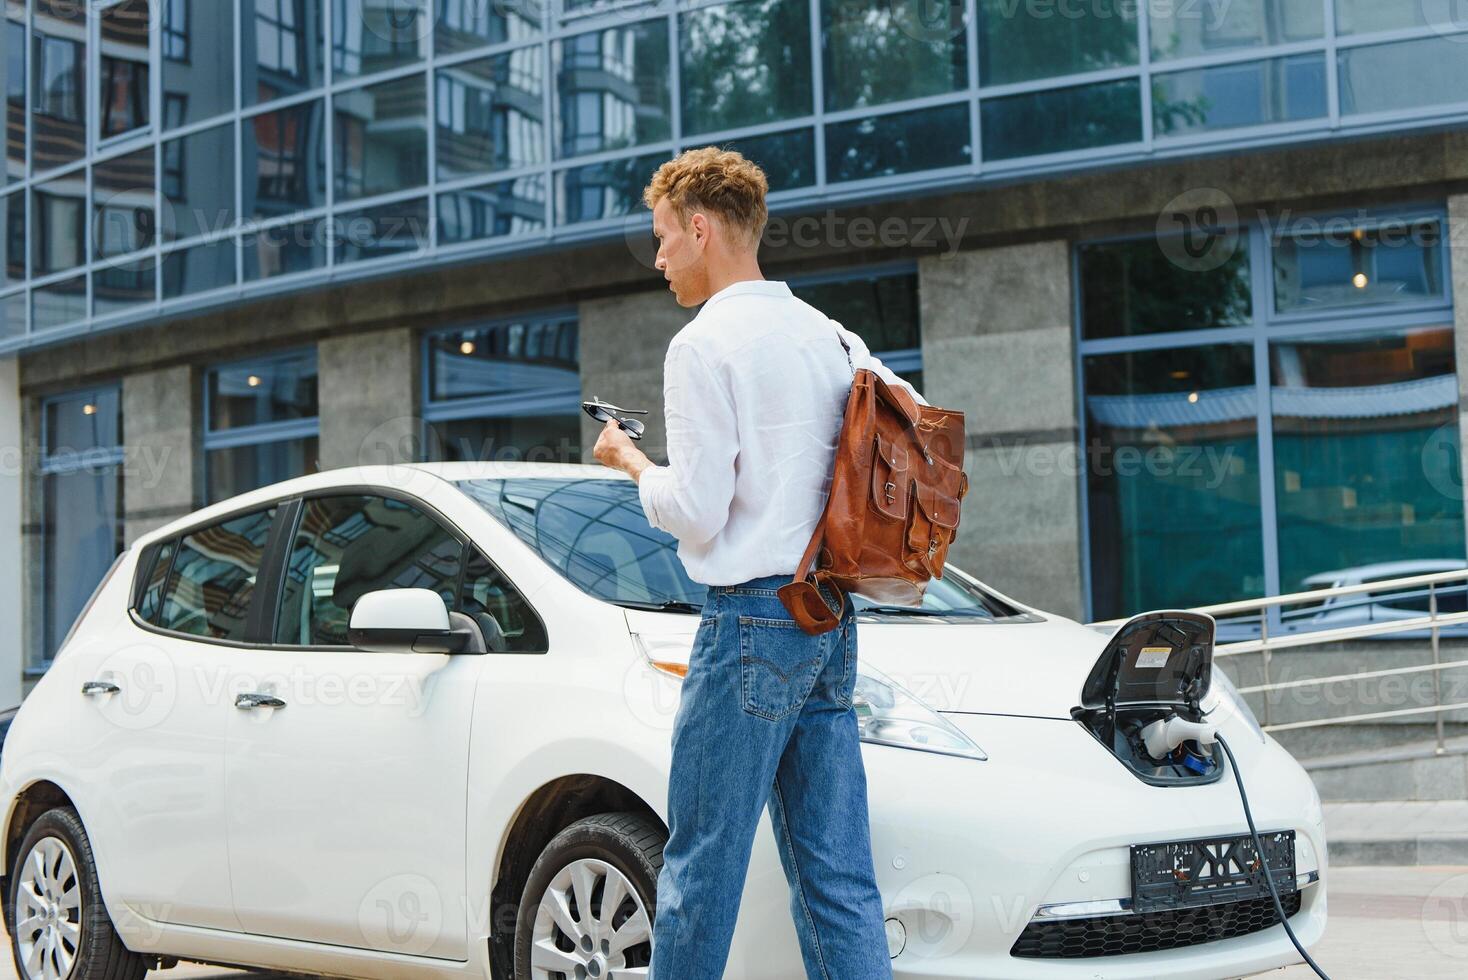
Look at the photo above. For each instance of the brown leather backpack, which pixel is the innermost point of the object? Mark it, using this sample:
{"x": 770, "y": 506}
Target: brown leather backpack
{"x": 896, "y": 487}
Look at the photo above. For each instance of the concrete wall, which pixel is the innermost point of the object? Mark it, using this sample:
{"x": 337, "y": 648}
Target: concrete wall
{"x": 12, "y": 519}
{"x": 368, "y": 394}
{"x": 998, "y": 344}
{"x": 163, "y": 475}
{"x": 623, "y": 342}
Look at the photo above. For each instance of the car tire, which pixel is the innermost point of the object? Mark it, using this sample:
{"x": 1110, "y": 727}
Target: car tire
{"x": 75, "y": 939}
{"x": 554, "y": 933}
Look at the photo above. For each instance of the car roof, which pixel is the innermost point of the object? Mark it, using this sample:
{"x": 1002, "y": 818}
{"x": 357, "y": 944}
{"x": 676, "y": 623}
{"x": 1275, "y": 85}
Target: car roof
{"x": 397, "y": 476}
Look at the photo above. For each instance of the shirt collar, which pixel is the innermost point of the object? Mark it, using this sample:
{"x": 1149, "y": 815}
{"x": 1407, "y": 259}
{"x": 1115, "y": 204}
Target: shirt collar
{"x": 750, "y": 287}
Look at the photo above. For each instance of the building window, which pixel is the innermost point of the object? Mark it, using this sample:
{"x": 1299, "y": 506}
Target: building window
{"x": 175, "y": 32}
{"x": 122, "y": 87}
{"x": 1273, "y": 416}
{"x": 261, "y": 423}
{"x": 880, "y": 306}
{"x": 508, "y": 390}
{"x": 81, "y": 506}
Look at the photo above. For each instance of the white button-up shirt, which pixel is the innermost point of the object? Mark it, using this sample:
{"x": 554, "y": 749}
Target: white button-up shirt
{"x": 754, "y": 389}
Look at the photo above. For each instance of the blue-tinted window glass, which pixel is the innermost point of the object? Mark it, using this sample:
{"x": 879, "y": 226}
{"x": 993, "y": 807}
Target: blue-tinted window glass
{"x": 122, "y": 203}
{"x": 881, "y": 308}
{"x": 612, "y": 88}
{"x": 505, "y": 391}
{"x": 13, "y": 310}
{"x": 1403, "y": 75}
{"x": 901, "y": 143}
{"x": 258, "y": 392}
{"x": 1060, "y": 120}
{"x": 81, "y": 498}
{"x": 120, "y": 284}
{"x": 198, "y": 183}
{"x": 281, "y": 48}
{"x": 1172, "y": 479}
{"x": 603, "y": 190}
{"x": 198, "y": 58}
{"x": 1367, "y": 467}
{"x": 1140, "y": 287}
{"x": 387, "y": 229}
{"x": 491, "y": 114}
{"x": 58, "y": 83}
{"x": 122, "y": 83}
{"x": 465, "y": 24}
{"x": 381, "y": 138}
{"x": 1019, "y": 42}
{"x": 744, "y": 63}
{"x": 14, "y": 53}
{"x": 212, "y": 582}
{"x": 284, "y": 161}
{"x": 1249, "y": 94}
{"x": 1369, "y": 16}
{"x": 788, "y": 159}
{"x": 199, "y": 269}
{"x": 512, "y": 207}
{"x": 58, "y": 304}
{"x": 285, "y": 249}
{"x": 1189, "y": 30}
{"x": 235, "y": 470}
{"x": 58, "y": 225}
{"x": 878, "y": 53}
{"x": 1325, "y": 265}
{"x": 369, "y": 36}
{"x": 12, "y": 221}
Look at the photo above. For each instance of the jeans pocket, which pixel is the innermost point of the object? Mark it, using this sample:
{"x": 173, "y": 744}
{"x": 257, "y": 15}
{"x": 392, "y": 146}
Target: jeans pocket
{"x": 778, "y": 665}
{"x": 847, "y": 689}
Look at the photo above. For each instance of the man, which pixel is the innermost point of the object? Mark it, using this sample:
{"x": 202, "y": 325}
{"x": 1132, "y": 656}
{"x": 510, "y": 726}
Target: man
{"x": 754, "y": 390}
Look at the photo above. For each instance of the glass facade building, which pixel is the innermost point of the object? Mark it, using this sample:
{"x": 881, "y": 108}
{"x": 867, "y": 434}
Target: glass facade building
{"x": 165, "y": 155}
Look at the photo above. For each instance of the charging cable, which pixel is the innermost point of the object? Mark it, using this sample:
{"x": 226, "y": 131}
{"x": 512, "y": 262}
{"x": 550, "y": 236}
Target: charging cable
{"x": 1259, "y": 849}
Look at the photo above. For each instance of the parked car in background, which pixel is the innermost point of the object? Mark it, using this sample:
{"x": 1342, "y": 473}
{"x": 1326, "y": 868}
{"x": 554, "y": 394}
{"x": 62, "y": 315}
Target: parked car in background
{"x": 414, "y": 721}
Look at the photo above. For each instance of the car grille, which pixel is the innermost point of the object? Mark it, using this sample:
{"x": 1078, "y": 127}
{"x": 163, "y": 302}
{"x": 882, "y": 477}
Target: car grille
{"x": 1114, "y": 935}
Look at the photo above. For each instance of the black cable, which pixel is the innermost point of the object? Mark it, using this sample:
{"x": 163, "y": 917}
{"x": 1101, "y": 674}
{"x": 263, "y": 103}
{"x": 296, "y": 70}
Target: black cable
{"x": 1264, "y": 861}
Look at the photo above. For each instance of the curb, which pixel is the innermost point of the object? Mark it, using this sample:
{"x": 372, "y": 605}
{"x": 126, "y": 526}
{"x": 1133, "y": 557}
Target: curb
{"x": 1435, "y": 849}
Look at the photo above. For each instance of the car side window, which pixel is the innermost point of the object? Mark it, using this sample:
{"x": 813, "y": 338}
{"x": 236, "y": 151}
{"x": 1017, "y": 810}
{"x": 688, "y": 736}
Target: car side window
{"x": 209, "y": 589}
{"x": 346, "y": 546}
{"x": 498, "y": 607}
{"x": 158, "y": 561}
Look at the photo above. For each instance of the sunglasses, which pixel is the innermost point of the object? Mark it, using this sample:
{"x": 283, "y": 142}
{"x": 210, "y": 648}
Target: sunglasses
{"x": 606, "y": 412}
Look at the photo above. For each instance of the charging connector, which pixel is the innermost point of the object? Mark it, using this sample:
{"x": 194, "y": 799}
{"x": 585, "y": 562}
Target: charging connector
{"x": 1162, "y": 737}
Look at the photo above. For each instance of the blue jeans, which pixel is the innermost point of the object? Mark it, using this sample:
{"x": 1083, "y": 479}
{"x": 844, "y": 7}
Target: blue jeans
{"x": 766, "y": 719}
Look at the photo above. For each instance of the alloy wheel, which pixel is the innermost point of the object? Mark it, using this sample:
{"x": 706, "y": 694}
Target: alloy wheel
{"x": 48, "y": 911}
{"x": 590, "y": 925}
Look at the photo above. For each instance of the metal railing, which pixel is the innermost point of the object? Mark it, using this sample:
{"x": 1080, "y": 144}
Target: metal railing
{"x": 1309, "y": 625}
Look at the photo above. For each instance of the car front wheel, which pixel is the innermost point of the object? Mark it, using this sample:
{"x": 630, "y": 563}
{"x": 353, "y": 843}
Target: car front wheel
{"x": 61, "y": 928}
{"x": 588, "y": 906}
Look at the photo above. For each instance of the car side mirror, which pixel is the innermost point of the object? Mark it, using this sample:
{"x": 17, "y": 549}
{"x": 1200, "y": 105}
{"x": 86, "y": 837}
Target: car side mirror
{"x": 403, "y": 621}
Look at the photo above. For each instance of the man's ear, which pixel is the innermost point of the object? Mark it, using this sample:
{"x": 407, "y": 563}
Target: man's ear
{"x": 702, "y": 228}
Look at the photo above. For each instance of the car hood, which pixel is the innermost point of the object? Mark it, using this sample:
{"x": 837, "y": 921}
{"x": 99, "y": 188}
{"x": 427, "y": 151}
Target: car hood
{"x": 1023, "y": 668}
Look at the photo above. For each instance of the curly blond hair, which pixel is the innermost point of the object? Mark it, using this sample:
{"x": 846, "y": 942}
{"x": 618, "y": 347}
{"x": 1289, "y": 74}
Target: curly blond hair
{"x": 716, "y": 181}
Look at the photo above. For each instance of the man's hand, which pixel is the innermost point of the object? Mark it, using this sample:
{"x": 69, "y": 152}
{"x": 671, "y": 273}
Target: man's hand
{"x": 614, "y": 449}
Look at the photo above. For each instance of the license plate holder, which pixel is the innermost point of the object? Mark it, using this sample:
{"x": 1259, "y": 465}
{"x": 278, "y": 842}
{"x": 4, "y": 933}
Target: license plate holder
{"x": 1210, "y": 871}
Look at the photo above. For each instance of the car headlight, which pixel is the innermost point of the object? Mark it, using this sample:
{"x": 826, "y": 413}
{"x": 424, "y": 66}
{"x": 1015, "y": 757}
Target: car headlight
{"x": 1225, "y": 701}
{"x": 887, "y": 714}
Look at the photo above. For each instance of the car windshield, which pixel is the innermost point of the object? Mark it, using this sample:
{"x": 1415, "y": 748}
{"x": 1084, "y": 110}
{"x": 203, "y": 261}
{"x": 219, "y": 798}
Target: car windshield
{"x": 595, "y": 534}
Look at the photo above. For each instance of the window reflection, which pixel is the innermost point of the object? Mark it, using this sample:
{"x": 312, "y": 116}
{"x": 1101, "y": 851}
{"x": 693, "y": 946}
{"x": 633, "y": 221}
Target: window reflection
{"x": 384, "y": 230}
{"x": 612, "y": 88}
{"x": 58, "y": 224}
{"x": 197, "y": 41}
{"x": 1172, "y": 478}
{"x": 199, "y": 269}
{"x": 1366, "y": 451}
{"x": 381, "y": 138}
{"x": 491, "y": 114}
{"x": 58, "y": 78}
{"x": 123, "y": 283}
{"x": 1022, "y": 42}
{"x": 370, "y": 36}
{"x": 876, "y": 53}
{"x": 12, "y": 218}
{"x": 1184, "y": 31}
{"x": 744, "y": 63}
{"x": 465, "y": 24}
{"x": 198, "y": 183}
{"x": 603, "y": 190}
{"x": 1323, "y": 265}
{"x": 122, "y": 196}
{"x": 1061, "y": 120}
{"x": 284, "y": 162}
{"x": 512, "y": 207}
{"x": 281, "y": 52}
{"x": 1250, "y": 94}
{"x": 14, "y": 52}
{"x": 1135, "y": 287}
{"x": 123, "y": 83}
{"x": 900, "y": 143}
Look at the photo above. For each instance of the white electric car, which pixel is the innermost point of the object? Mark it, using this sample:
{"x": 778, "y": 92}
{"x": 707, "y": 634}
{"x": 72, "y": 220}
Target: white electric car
{"x": 414, "y": 721}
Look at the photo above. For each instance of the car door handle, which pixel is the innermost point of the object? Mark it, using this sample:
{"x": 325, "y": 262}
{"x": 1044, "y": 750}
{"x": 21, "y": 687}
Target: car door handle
{"x": 93, "y": 688}
{"x": 256, "y": 700}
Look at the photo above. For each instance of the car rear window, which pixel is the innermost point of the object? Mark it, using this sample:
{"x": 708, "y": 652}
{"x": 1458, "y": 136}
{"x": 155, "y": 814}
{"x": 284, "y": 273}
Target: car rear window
{"x": 209, "y": 588}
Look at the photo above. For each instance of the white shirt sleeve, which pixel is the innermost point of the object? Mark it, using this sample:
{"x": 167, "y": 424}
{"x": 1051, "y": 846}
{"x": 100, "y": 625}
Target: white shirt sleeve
{"x": 690, "y": 496}
{"x": 859, "y": 350}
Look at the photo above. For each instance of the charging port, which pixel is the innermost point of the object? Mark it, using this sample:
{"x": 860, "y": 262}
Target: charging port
{"x": 1156, "y": 667}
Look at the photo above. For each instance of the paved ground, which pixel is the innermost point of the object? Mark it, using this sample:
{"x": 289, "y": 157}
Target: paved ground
{"x": 1384, "y": 923}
